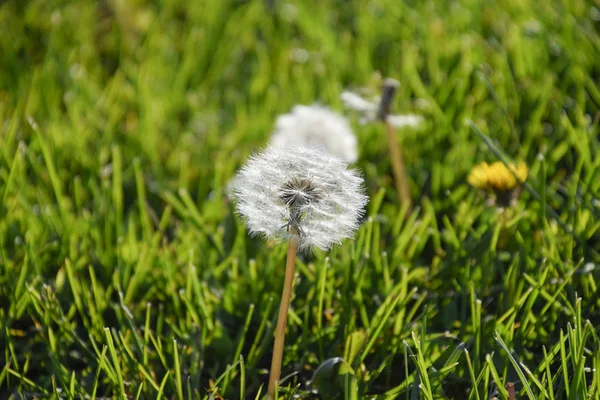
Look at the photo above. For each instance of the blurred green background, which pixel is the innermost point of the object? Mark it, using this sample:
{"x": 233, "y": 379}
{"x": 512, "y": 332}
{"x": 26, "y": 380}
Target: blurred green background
{"x": 124, "y": 272}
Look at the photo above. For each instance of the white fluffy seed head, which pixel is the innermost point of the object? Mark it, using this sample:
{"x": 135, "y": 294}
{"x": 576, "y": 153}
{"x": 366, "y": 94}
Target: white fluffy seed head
{"x": 303, "y": 188}
{"x": 368, "y": 111}
{"x": 400, "y": 121}
{"x": 315, "y": 125}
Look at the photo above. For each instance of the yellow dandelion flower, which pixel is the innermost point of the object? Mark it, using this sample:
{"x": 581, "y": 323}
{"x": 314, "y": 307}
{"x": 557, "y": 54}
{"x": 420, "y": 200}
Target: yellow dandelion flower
{"x": 498, "y": 176}
{"x": 522, "y": 171}
{"x": 479, "y": 176}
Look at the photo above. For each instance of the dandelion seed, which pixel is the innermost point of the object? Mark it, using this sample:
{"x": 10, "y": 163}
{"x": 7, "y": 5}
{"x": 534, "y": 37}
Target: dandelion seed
{"x": 311, "y": 126}
{"x": 304, "y": 195}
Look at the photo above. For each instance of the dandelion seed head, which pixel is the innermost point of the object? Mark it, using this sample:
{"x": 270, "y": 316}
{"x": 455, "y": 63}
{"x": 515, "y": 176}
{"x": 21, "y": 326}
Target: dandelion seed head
{"x": 401, "y": 121}
{"x": 355, "y": 102}
{"x": 315, "y": 125}
{"x": 302, "y": 188}
{"x": 298, "y": 192}
{"x": 367, "y": 111}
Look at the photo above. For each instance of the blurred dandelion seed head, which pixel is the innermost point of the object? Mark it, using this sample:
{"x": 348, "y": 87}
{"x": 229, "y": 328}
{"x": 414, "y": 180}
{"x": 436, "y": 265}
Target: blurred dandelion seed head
{"x": 316, "y": 126}
{"x": 301, "y": 188}
{"x": 367, "y": 111}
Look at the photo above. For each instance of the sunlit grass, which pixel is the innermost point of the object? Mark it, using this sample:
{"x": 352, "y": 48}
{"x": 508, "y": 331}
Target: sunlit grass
{"x": 125, "y": 273}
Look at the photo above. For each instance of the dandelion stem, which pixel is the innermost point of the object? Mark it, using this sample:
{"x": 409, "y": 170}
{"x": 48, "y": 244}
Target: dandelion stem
{"x": 510, "y": 387}
{"x": 282, "y": 318}
{"x": 400, "y": 178}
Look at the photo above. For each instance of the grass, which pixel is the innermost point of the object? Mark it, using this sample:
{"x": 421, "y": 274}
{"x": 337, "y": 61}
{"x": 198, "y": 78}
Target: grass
{"x": 125, "y": 274}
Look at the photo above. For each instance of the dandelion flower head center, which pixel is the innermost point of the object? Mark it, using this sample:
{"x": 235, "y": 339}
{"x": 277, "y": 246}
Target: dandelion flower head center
{"x": 298, "y": 192}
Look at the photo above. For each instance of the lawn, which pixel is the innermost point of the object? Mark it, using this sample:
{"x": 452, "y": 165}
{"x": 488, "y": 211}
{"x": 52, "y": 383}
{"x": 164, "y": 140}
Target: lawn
{"x": 126, "y": 273}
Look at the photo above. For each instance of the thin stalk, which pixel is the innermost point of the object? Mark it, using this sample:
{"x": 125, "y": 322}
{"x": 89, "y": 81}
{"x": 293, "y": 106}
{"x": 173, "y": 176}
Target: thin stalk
{"x": 282, "y": 318}
{"x": 400, "y": 177}
{"x": 510, "y": 387}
